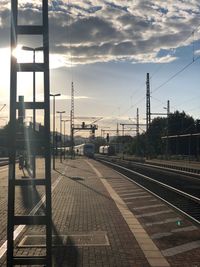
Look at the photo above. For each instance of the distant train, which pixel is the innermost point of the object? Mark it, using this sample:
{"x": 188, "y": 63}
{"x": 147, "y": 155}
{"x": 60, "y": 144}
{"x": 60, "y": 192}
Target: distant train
{"x": 107, "y": 150}
{"x": 85, "y": 150}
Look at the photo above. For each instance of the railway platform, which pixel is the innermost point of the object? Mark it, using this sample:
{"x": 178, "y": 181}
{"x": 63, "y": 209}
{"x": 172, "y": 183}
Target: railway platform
{"x": 100, "y": 218}
{"x": 184, "y": 165}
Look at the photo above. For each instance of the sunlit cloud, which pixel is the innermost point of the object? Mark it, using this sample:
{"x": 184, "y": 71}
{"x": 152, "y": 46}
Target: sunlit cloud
{"x": 58, "y": 61}
{"x": 85, "y": 32}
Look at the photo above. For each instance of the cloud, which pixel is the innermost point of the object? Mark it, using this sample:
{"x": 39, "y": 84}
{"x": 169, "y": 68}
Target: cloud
{"x": 111, "y": 30}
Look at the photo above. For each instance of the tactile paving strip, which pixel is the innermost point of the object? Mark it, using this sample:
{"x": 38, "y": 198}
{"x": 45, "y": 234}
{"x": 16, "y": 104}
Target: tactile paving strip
{"x": 80, "y": 239}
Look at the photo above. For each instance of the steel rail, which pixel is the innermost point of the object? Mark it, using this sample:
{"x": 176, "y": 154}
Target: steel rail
{"x": 196, "y": 199}
{"x": 182, "y": 198}
{"x": 164, "y": 200}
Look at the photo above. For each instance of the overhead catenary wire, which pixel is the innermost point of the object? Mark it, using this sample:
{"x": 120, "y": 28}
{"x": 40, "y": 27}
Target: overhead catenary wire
{"x": 164, "y": 83}
{"x": 176, "y": 74}
{"x": 187, "y": 65}
{"x": 181, "y": 43}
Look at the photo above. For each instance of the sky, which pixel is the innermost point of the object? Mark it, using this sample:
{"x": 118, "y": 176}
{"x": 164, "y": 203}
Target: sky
{"x": 107, "y": 47}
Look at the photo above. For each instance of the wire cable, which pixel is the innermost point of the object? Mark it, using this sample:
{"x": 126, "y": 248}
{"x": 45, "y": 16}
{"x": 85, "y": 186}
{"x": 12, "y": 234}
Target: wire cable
{"x": 176, "y": 74}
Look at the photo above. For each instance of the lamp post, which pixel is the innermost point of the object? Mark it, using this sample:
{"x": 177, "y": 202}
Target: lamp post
{"x": 54, "y": 116}
{"x": 27, "y": 48}
{"x": 64, "y": 121}
{"x": 60, "y": 112}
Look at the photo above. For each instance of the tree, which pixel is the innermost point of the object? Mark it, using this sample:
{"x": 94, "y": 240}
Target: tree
{"x": 157, "y": 129}
{"x": 179, "y": 124}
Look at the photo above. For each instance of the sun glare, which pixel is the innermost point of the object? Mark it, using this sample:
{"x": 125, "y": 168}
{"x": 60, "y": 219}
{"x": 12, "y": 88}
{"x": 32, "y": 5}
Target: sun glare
{"x": 23, "y": 56}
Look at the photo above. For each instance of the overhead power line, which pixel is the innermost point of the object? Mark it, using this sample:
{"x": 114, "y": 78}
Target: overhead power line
{"x": 176, "y": 74}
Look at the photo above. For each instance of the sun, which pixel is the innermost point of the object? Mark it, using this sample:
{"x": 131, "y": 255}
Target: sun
{"x": 23, "y": 56}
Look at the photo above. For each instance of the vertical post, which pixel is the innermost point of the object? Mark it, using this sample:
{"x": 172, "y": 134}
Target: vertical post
{"x": 56, "y": 137}
{"x": 60, "y": 112}
{"x": 54, "y": 115}
{"x": 60, "y": 137}
{"x": 138, "y": 123}
{"x": 72, "y": 119}
{"x": 21, "y": 111}
{"x": 33, "y": 159}
{"x": 122, "y": 129}
{"x": 54, "y": 118}
{"x": 148, "y": 103}
{"x": 47, "y": 133}
{"x": 64, "y": 140}
{"x": 117, "y": 129}
{"x": 167, "y": 141}
{"x": 34, "y": 90}
{"x": 64, "y": 121}
{"x": 148, "y": 113}
{"x": 11, "y": 136}
{"x": 137, "y": 131}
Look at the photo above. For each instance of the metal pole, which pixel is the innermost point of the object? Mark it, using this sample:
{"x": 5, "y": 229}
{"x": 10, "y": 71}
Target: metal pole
{"x": 148, "y": 104}
{"x": 56, "y": 139}
{"x": 122, "y": 129}
{"x": 64, "y": 121}
{"x": 167, "y": 142}
{"x": 34, "y": 90}
{"x": 72, "y": 120}
{"x": 61, "y": 137}
{"x": 61, "y": 112}
{"x": 117, "y": 129}
{"x": 33, "y": 160}
{"x": 12, "y": 136}
{"x": 148, "y": 115}
{"x": 137, "y": 132}
{"x": 64, "y": 140}
{"x": 54, "y": 116}
{"x": 138, "y": 123}
{"x": 54, "y": 123}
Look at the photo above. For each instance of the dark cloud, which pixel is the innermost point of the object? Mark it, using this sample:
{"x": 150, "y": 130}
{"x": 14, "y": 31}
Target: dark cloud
{"x": 92, "y": 30}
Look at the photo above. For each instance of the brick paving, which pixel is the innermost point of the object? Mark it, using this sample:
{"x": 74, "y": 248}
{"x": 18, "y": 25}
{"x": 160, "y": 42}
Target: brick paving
{"x": 89, "y": 208}
{"x": 171, "y": 223}
{"x": 83, "y": 209}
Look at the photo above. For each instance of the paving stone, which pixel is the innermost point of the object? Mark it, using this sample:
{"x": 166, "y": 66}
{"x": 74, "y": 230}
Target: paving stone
{"x": 82, "y": 205}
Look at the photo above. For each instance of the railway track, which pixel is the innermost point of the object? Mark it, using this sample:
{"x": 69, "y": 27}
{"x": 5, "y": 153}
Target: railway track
{"x": 179, "y": 190}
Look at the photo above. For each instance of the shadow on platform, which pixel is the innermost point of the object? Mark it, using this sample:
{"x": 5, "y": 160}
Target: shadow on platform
{"x": 66, "y": 254}
{"x": 86, "y": 186}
